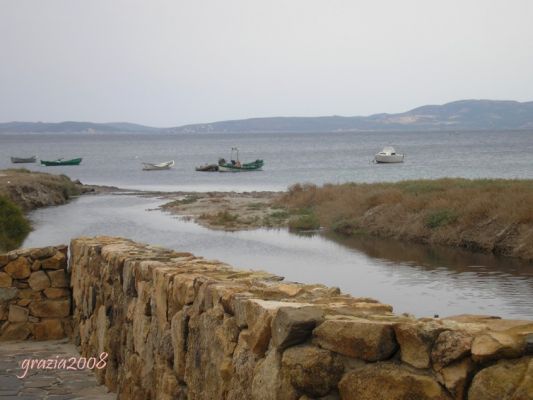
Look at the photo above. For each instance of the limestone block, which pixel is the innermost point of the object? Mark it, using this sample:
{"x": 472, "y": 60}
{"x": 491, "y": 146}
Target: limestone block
{"x": 28, "y": 294}
{"x": 50, "y": 308}
{"x": 36, "y": 265}
{"x": 416, "y": 341}
{"x": 4, "y": 259}
{"x": 495, "y": 345}
{"x": 388, "y": 381}
{"x": 17, "y": 313}
{"x": 18, "y": 268}
{"x": 15, "y": 331}
{"x": 359, "y": 338}
{"x": 39, "y": 280}
{"x": 42, "y": 252}
{"x": 48, "y": 329}
{"x": 291, "y": 326}
{"x": 3, "y": 312}
{"x": 311, "y": 370}
{"x": 57, "y": 261}
{"x": 5, "y": 280}
{"x": 450, "y": 346}
{"x": 58, "y": 278}
{"x": 23, "y": 302}
{"x": 269, "y": 383}
{"x": 506, "y": 380}
{"x": 179, "y": 331}
{"x": 7, "y": 294}
{"x": 456, "y": 377}
{"x": 56, "y": 293}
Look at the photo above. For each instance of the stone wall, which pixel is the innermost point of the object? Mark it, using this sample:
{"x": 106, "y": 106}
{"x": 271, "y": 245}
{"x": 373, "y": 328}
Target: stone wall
{"x": 34, "y": 294}
{"x": 182, "y": 327}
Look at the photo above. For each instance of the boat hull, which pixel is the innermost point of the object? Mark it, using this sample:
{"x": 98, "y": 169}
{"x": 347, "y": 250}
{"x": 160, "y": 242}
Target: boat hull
{"x": 21, "y": 160}
{"x": 227, "y": 168}
{"x": 389, "y": 159}
{"x": 57, "y": 163}
{"x": 158, "y": 167}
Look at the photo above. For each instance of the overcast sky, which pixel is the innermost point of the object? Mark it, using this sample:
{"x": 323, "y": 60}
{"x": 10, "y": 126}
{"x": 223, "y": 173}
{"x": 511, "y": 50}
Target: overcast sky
{"x": 167, "y": 63}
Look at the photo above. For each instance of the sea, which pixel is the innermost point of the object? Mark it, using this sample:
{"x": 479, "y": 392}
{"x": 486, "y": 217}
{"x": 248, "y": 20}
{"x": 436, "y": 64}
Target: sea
{"x": 417, "y": 279}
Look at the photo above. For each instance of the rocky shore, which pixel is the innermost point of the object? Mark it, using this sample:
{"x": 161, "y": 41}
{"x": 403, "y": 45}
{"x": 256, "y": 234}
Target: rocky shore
{"x": 30, "y": 190}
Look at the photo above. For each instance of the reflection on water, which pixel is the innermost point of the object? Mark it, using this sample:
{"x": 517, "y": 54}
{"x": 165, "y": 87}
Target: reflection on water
{"x": 416, "y": 279}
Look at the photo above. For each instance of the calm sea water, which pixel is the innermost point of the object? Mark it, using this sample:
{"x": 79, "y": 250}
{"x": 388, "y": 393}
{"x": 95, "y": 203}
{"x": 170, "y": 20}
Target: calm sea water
{"x": 412, "y": 278}
{"x": 289, "y": 158}
{"x": 418, "y": 279}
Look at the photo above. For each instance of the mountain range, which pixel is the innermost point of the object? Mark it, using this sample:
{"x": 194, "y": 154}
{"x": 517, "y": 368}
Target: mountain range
{"x": 457, "y": 115}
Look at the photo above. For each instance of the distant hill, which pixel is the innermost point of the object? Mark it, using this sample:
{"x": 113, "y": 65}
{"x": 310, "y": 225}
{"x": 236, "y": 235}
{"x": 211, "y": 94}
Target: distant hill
{"x": 72, "y": 127}
{"x": 458, "y": 115}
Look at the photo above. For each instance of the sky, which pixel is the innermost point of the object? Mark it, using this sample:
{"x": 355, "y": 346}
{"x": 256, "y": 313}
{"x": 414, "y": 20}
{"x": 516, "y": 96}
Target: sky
{"x": 174, "y": 62}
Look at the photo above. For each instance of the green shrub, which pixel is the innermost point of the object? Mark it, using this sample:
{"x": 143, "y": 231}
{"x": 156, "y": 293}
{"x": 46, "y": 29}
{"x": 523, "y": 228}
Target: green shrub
{"x": 440, "y": 218}
{"x": 14, "y": 227}
{"x": 304, "y": 222}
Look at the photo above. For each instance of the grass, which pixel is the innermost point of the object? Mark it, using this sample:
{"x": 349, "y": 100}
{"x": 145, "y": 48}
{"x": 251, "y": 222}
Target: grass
{"x": 494, "y": 215}
{"x": 189, "y": 199}
{"x": 14, "y": 227}
{"x": 223, "y": 218}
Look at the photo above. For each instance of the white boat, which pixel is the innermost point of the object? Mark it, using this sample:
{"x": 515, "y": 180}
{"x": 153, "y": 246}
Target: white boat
{"x": 388, "y": 155}
{"x": 158, "y": 167}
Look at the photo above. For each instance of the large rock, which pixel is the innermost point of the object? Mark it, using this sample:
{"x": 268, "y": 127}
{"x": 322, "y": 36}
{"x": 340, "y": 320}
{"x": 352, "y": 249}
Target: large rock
{"x": 416, "y": 341}
{"x": 291, "y": 326}
{"x": 57, "y": 261}
{"x": 42, "y": 252}
{"x": 179, "y": 330}
{"x": 387, "y": 381}
{"x": 358, "y": 338}
{"x": 495, "y": 345}
{"x": 5, "y": 280}
{"x": 506, "y": 380}
{"x": 269, "y": 383}
{"x": 4, "y": 259}
{"x": 56, "y": 293}
{"x": 58, "y": 279}
{"x": 456, "y": 377}
{"x": 311, "y": 370}
{"x": 450, "y": 346}
{"x": 15, "y": 331}
{"x": 17, "y": 313}
{"x": 48, "y": 329}
{"x": 19, "y": 268}
{"x": 7, "y": 294}
{"x": 50, "y": 308}
{"x": 39, "y": 280}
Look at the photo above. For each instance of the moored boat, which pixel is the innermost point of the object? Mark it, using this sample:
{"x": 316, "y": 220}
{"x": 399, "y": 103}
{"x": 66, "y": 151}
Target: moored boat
{"x": 61, "y": 161}
{"x": 388, "y": 155}
{"x": 23, "y": 160}
{"x": 236, "y": 166}
{"x": 207, "y": 168}
{"x": 158, "y": 167}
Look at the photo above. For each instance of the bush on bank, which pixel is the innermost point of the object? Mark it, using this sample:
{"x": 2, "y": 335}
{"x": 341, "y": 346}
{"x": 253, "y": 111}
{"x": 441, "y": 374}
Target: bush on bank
{"x": 14, "y": 227}
{"x": 490, "y": 215}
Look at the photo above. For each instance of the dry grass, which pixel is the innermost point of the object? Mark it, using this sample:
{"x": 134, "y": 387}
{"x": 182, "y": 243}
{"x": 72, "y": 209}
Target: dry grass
{"x": 487, "y": 215}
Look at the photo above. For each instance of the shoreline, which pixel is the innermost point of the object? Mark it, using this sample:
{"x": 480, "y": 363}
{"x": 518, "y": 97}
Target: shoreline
{"x": 345, "y": 209}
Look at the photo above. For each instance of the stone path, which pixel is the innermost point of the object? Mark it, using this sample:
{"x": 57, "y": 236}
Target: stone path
{"x": 52, "y": 384}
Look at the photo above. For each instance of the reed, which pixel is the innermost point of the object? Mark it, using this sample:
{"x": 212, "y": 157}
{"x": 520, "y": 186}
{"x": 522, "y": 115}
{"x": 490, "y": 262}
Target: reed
{"x": 490, "y": 215}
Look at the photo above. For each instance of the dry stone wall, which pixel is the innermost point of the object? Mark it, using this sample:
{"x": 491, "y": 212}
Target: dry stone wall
{"x": 34, "y": 294}
{"x": 178, "y": 326}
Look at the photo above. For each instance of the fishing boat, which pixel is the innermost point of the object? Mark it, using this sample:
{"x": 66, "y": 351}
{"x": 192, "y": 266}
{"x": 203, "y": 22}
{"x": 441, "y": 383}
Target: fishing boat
{"x": 235, "y": 165}
{"x": 158, "y": 167}
{"x": 388, "y": 155}
{"x": 23, "y": 160}
{"x": 61, "y": 161}
{"x": 207, "y": 168}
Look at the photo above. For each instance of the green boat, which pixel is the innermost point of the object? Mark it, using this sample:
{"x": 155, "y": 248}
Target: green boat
{"x": 60, "y": 161}
{"x": 236, "y": 166}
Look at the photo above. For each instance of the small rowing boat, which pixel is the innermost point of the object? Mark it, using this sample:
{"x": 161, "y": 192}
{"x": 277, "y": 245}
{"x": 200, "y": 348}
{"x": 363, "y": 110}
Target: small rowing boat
{"x": 235, "y": 165}
{"x": 61, "y": 161}
{"x": 158, "y": 167}
{"x": 23, "y": 160}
